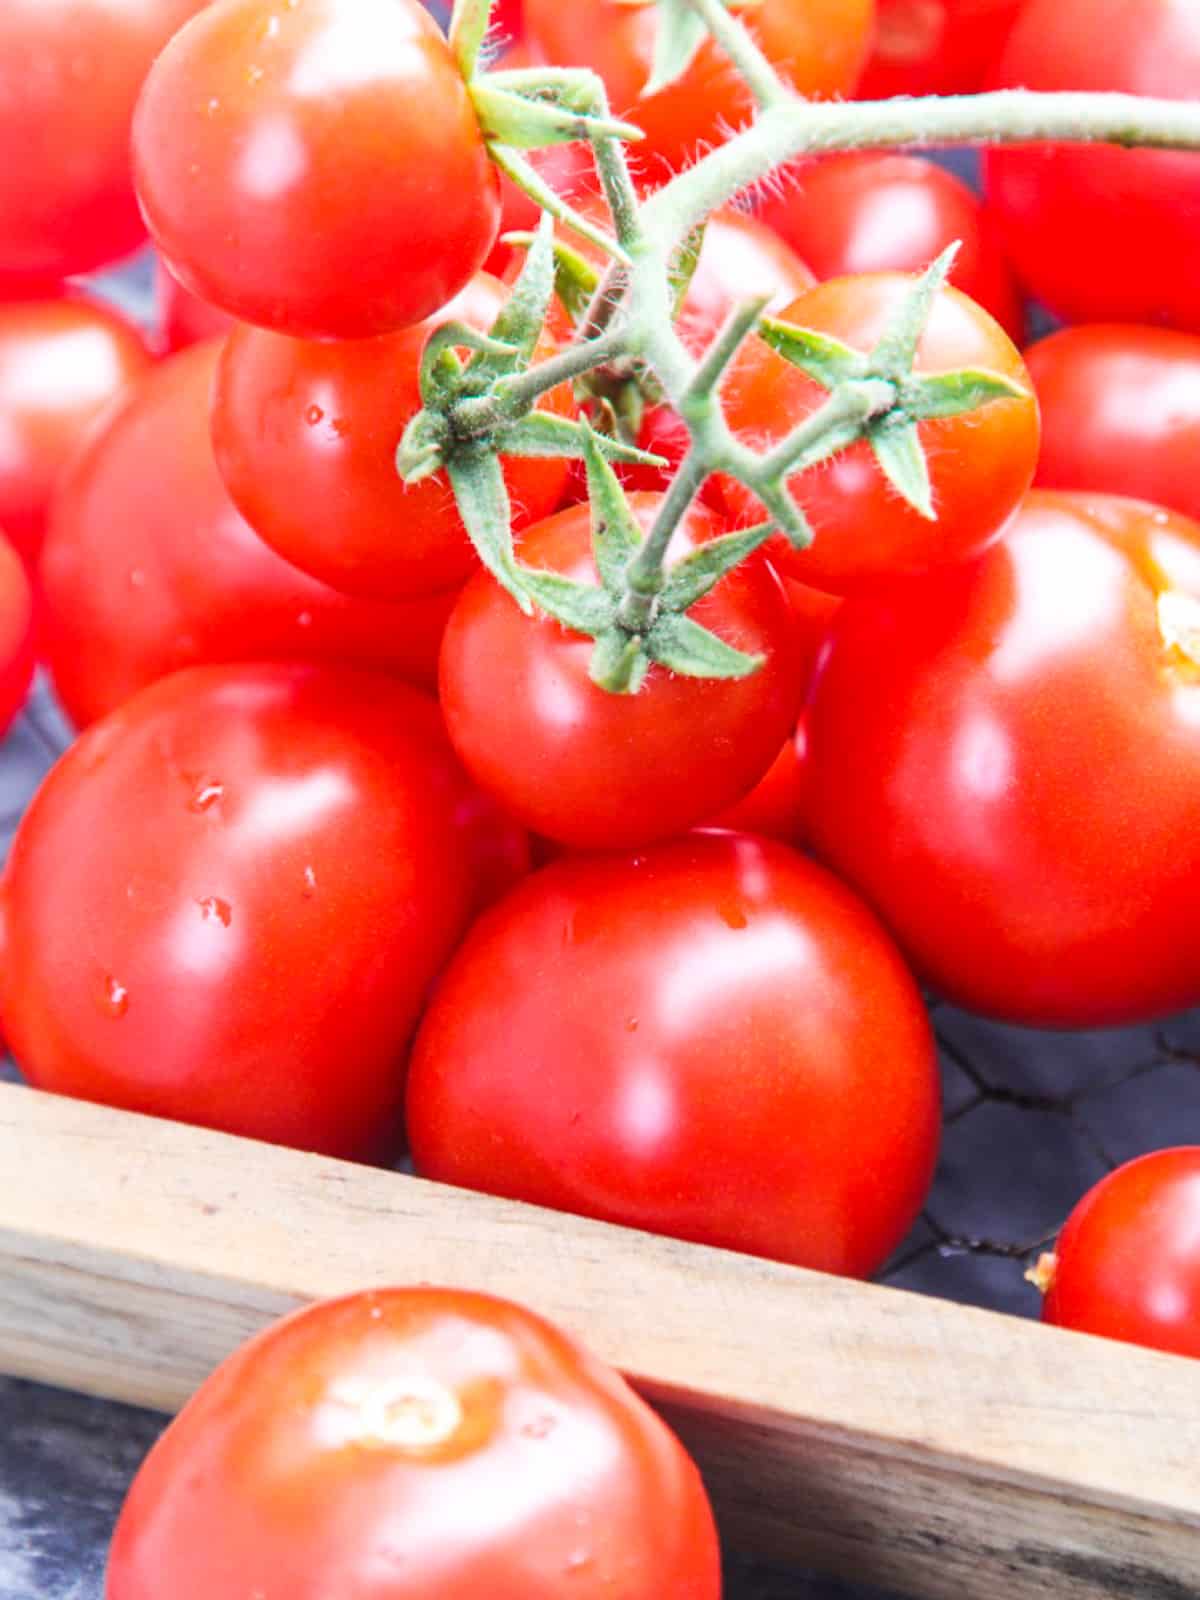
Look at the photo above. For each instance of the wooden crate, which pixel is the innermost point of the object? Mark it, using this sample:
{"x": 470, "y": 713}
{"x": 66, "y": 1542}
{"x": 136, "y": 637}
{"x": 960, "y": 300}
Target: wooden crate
{"x": 894, "y": 1438}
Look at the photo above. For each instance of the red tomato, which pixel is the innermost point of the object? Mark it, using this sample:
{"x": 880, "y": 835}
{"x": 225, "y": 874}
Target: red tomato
{"x": 980, "y": 464}
{"x": 17, "y": 653}
{"x": 183, "y": 318}
{"x": 871, "y": 212}
{"x": 415, "y": 1444}
{"x": 713, "y": 1040}
{"x": 70, "y": 71}
{"x": 317, "y": 169}
{"x": 1005, "y": 760}
{"x": 1130, "y": 216}
{"x": 935, "y": 46}
{"x": 1128, "y": 1261}
{"x": 508, "y": 19}
{"x": 62, "y": 363}
{"x": 305, "y": 435}
{"x": 1120, "y": 412}
{"x": 149, "y": 567}
{"x": 818, "y": 46}
{"x": 228, "y": 898}
{"x": 594, "y": 769}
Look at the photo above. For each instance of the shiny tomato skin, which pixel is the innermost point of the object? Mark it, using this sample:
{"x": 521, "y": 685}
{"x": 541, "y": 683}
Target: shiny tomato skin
{"x": 1132, "y": 216}
{"x": 1127, "y": 1263}
{"x": 62, "y": 364}
{"x": 70, "y": 72}
{"x": 227, "y": 899}
{"x": 17, "y": 633}
{"x": 148, "y": 566}
{"x": 1120, "y": 411}
{"x": 183, "y": 318}
{"x": 935, "y": 46}
{"x": 869, "y": 211}
{"x": 818, "y": 46}
{"x": 980, "y": 464}
{"x": 305, "y": 435}
{"x": 597, "y": 770}
{"x": 713, "y": 1039}
{"x": 523, "y": 1468}
{"x": 1015, "y": 790}
{"x": 317, "y": 168}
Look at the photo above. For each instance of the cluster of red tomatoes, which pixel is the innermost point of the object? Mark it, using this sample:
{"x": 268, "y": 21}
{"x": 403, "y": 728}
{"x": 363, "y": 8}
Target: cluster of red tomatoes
{"x": 351, "y": 853}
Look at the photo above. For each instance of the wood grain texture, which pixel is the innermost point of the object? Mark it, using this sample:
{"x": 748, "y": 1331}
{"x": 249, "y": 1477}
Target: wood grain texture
{"x": 897, "y": 1439}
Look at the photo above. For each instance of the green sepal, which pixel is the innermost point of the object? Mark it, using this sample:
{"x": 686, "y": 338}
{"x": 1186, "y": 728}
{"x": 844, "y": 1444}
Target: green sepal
{"x": 441, "y": 370}
{"x": 683, "y": 266}
{"x": 616, "y": 536}
{"x": 579, "y": 606}
{"x": 419, "y": 453}
{"x": 925, "y": 398}
{"x": 895, "y": 353}
{"x": 525, "y": 124}
{"x": 530, "y": 181}
{"x": 575, "y": 278}
{"x": 483, "y": 505}
{"x": 685, "y": 647}
{"x": 825, "y": 359}
{"x": 619, "y": 662}
{"x": 523, "y": 315}
{"x": 897, "y": 446}
{"x": 469, "y": 23}
{"x": 542, "y": 433}
{"x": 692, "y": 577}
{"x": 681, "y": 32}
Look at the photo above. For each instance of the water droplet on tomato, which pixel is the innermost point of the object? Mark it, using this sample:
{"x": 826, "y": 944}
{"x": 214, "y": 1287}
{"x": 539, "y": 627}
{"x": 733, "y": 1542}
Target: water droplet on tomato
{"x": 116, "y": 996}
{"x": 310, "y": 883}
{"x": 631, "y": 1024}
{"x": 206, "y": 796}
{"x": 216, "y": 910}
{"x": 578, "y": 1559}
{"x": 137, "y": 578}
{"x": 313, "y": 415}
{"x": 304, "y": 620}
{"x": 214, "y": 105}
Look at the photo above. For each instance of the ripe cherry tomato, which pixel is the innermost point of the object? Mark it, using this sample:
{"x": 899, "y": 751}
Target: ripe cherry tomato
{"x": 980, "y": 464}
{"x": 183, "y": 318}
{"x": 17, "y": 653}
{"x": 1120, "y": 412}
{"x": 595, "y": 769}
{"x": 818, "y": 46}
{"x": 305, "y": 435}
{"x": 1131, "y": 216}
{"x": 315, "y": 168}
{"x": 870, "y": 212}
{"x": 228, "y": 898}
{"x": 149, "y": 567}
{"x": 62, "y": 363}
{"x": 1005, "y": 760}
{"x": 70, "y": 71}
{"x": 1127, "y": 1264}
{"x": 415, "y": 1444}
{"x": 713, "y": 1040}
{"x": 935, "y": 46}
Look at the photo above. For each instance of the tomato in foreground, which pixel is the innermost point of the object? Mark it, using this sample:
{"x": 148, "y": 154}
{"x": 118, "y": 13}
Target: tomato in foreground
{"x": 935, "y": 46}
{"x": 149, "y": 567}
{"x": 713, "y": 1040}
{"x": 183, "y": 318}
{"x": 70, "y": 72}
{"x": 980, "y": 463}
{"x": 1127, "y": 1264}
{"x": 17, "y": 653}
{"x": 599, "y": 770}
{"x": 415, "y": 1444}
{"x": 1103, "y": 234}
{"x": 305, "y": 435}
{"x": 817, "y": 46}
{"x": 227, "y": 900}
{"x": 1005, "y": 760}
{"x": 62, "y": 364}
{"x": 315, "y": 168}
{"x": 871, "y": 211}
{"x": 1120, "y": 409}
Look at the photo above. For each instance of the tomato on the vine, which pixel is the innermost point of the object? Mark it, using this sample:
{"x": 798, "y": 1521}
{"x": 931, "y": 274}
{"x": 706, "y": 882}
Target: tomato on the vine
{"x": 713, "y": 1039}
{"x": 1120, "y": 409}
{"x": 817, "y": 46}
{"x": 227, "y": 901}
{"x": 980, "y": 463}
{"x": 148, "y": 565}
{"x": 415, "y": 1444}
{"x": 1103, "y": 234}
{"x": 1127, "y": 1263}
{"x": 62, "y": 364}
{"x": 935, "y": 46}
{"x": 305, "y": 434}
{"x": 868, "y": 211}
{"x": 70, "y": 72}
{"x": 599, "y": 770}
{"x": 318, "y": 168}
{"x": 1005, "y": 757}
{"x": 182, "y": 317}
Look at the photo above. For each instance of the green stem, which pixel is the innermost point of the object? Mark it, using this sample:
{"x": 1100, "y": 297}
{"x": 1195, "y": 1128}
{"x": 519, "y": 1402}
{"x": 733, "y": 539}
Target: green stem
{"x": 761, "y": 78}
{"x": 515, "y": 397}
{"x": 646, "y": 574}
{"x": 830, "y": 428}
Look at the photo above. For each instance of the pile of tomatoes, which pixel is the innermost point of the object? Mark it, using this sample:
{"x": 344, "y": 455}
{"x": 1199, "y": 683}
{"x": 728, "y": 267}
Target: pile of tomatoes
{"x": 353, "y": 855}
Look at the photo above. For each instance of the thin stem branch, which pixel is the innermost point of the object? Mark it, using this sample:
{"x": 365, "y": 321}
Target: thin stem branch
{"x": 644, "y": 579}
{"x": 830, "y": 427}
{"x": 761, "y": 78}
